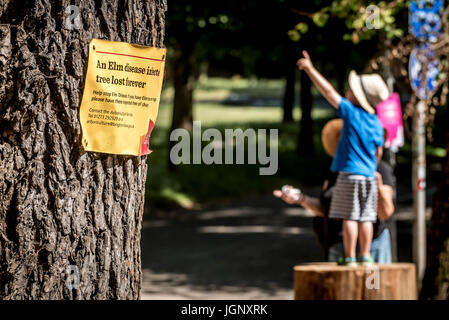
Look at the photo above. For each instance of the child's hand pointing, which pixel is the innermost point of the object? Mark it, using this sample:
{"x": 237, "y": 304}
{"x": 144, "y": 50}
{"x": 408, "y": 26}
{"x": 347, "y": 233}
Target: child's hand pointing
{"x": 304, "y": 63}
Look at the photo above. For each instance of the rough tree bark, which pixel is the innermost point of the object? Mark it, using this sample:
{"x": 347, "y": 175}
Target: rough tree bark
{"x": 61, "y": 206}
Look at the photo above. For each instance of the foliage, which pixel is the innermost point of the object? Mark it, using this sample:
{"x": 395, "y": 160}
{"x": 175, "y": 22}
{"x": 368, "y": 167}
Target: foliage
{"x": 243, "y": 31}
{"x": 392, "y": 24}
{"x": 364, "y": 19}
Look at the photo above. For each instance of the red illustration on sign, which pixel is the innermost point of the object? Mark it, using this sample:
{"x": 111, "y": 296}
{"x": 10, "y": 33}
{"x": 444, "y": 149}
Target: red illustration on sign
{"x": 145, "y": 140}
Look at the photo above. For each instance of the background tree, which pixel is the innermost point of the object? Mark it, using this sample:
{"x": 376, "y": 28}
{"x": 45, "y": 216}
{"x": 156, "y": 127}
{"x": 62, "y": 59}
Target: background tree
{"x": 322, "y": 38}
{"x": 235, "y": 34}
{"x": 61, "y": 206}
{"x": 193, "y": 29}
{"x": 305, "y": 139}
{"x": 246, "y": 34}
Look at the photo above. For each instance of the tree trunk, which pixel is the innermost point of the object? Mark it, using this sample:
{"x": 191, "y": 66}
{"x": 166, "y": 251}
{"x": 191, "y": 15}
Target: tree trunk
{"x": 290, "y": 79}
{"x": 341, "y": 76}
{"x": 65, "y": 214}
{"x": 436, "y": 279}
{"x": 305, "y": 141}
{"x": 184, "y": 79}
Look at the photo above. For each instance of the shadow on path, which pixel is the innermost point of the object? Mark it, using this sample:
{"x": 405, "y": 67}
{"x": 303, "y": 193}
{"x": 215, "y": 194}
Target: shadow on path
{"x": 245, "y": 251}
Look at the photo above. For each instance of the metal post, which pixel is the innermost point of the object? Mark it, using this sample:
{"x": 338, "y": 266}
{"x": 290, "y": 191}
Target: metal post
{"x": 419, "y": 189}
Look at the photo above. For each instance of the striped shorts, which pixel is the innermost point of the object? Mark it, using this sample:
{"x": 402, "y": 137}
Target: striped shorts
{"x": 354, "y": 198}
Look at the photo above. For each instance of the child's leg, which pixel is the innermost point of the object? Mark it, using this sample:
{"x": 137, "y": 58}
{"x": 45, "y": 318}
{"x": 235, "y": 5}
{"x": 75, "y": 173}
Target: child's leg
{"x": 350, "y": 229}
{"x": 365, "y": 238}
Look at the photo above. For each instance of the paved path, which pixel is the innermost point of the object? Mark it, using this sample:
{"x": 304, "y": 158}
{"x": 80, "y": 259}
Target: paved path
{"x": 241, "y": 251}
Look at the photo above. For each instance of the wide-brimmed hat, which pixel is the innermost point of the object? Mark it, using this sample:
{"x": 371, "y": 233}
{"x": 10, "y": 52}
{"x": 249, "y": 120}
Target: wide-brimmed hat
{"x": 369, "y": 89}
{"x": 330, "y": 135}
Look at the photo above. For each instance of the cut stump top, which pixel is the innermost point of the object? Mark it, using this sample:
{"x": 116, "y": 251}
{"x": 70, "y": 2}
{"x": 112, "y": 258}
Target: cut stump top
{"x": 328, "y": 281}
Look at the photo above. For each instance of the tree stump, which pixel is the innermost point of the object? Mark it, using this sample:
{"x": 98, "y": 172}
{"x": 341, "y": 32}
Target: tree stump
{"x": 327, "y": 281}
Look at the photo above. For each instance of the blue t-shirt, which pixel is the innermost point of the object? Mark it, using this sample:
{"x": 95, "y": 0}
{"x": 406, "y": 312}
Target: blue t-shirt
{"x": 362, "y": 133}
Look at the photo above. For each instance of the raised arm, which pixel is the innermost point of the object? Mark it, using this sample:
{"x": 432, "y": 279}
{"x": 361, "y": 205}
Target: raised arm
{"x": 325, "y": 88}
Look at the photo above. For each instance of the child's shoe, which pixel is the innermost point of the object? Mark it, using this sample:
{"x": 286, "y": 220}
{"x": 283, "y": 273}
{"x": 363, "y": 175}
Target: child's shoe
{"x": 366, "y": 261}
{"x": 348, "y": 262}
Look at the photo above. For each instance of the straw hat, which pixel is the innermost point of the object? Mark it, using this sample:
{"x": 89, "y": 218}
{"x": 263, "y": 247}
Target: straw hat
{"x": 369, "y": 89}
{"x": 330, "y": 135}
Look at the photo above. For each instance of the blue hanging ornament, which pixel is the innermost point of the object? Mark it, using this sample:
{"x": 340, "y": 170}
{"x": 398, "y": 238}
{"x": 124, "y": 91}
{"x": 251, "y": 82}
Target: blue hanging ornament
{"x": 425, "y": 19}
{"x": 424, "y": 85}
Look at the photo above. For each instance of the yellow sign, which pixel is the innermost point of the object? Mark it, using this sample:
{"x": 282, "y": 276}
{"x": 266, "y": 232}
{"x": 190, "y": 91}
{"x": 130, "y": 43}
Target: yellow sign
{"x": 121, "y": 97}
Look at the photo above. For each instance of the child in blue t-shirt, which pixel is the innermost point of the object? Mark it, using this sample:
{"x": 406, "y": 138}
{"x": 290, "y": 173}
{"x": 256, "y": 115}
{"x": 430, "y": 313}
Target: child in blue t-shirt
{"x": 359, "y": 149}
